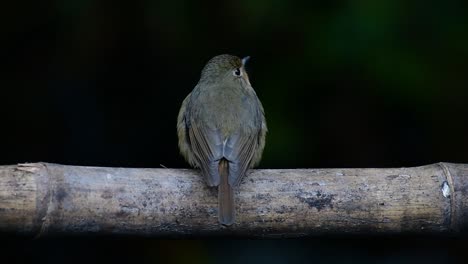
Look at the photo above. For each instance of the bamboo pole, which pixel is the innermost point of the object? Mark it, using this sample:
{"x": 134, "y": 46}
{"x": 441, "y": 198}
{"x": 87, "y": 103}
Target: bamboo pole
{"x": 41, "y": 199}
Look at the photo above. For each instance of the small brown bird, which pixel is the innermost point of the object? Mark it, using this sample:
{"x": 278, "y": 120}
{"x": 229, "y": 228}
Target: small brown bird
{"x": 221, "y": 128}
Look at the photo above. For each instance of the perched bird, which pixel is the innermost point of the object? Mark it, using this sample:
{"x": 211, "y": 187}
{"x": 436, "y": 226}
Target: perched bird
{"x": 221, "y": 128}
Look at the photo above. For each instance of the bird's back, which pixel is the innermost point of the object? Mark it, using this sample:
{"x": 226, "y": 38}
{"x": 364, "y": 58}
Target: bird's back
{"x": 232, "y": 110}
{"x": 231, "y": 128}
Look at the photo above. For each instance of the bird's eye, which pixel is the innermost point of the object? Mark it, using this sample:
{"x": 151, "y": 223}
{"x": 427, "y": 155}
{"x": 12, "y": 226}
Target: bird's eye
{"x": 237, "y": 72}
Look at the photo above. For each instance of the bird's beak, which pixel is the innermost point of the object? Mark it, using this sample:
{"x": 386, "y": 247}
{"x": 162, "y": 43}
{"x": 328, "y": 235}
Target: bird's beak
{"x": 245, "y": 60}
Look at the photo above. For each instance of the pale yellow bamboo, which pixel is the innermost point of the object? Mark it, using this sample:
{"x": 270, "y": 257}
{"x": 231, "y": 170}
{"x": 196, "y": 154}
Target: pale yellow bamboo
{"x": 40, "y": 199}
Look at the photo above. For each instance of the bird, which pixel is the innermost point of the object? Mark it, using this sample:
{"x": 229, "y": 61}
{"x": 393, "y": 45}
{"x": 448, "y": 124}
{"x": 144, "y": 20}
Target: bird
{"x": 221, "y": 128}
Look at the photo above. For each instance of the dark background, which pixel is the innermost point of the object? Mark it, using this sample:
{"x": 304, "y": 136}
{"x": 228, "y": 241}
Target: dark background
{"x": 344, "y": 84}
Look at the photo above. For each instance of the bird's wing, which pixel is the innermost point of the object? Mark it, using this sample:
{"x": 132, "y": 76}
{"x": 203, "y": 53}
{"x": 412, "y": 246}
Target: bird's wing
{"x": 207, "y": 147}
{"x": 182, "y": 132}
{"x": 244, "y": 148}
{"x": 239, "y": 150}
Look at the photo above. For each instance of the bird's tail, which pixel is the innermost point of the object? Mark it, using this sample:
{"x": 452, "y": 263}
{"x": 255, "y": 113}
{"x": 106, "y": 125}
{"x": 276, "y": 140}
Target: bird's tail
{"x": 225, "y": 195}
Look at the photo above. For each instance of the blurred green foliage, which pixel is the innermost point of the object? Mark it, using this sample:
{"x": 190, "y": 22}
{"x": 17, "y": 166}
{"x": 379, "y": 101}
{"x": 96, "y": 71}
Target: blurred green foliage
{"x": 372, "y": 78}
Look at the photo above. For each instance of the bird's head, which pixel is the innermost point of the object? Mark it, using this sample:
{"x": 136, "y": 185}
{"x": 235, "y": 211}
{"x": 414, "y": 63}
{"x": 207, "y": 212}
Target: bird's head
{"x": 225, "y": 69}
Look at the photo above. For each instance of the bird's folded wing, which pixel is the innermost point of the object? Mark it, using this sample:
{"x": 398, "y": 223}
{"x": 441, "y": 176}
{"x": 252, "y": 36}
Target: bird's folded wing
{"x": 239, "y": 150}
{"x": 207, "y": 146}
